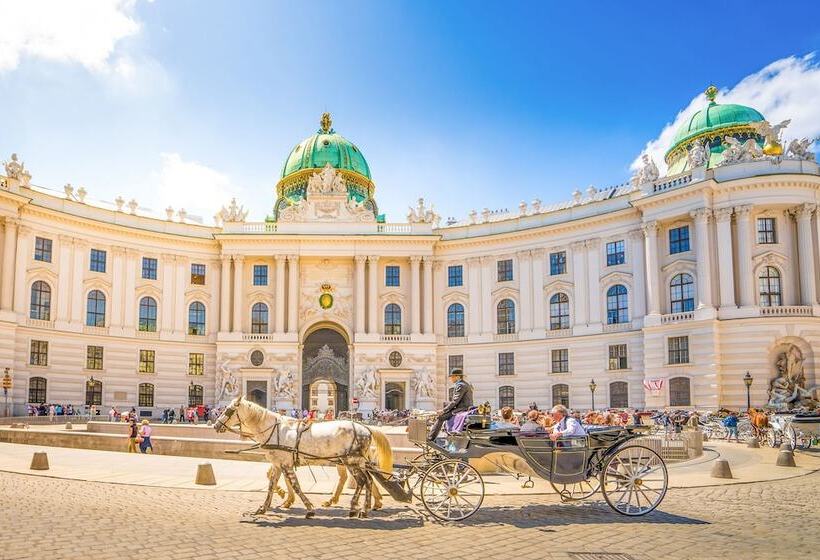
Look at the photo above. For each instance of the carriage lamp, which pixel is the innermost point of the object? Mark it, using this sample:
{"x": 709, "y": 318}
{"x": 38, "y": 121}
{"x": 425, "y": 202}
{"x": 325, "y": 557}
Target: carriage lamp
{"x": 592, "y": 387}
{"x": 747, "y": 379}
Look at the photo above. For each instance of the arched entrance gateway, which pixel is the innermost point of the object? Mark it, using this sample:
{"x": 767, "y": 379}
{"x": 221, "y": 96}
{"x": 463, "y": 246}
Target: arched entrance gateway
{"x": 325, "y": 371}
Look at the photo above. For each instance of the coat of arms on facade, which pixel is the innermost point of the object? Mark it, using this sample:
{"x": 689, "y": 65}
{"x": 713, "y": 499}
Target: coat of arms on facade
{"x": 326, "y": 298}
{"x": 327, "y": 199}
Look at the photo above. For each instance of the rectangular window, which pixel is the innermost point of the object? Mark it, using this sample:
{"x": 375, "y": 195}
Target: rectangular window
{"x": 560, "y": 360}
{"x": 149, "y": 268}
{"x": 615, "y": 253}
{"x": 455, "y": 275}
{"x": 678, "y": 240}
{"x": 198, "y": 274}
{"x": 455, "y": 362}
{"x": 148, "y": 361}
{"x": 505, "y": 270}
{"x": 39, "y": 353}
{"x": 558, "y": 263}
{"x": 196, "y": 364}
{"x": 617, "y": 356}
{"x": 94, "y": 357}
{"x": 42, "y": 249}
{"x": 678, "y": 349}
{"x": 97, "y": 263}
{"x": 146, "y": 395}
{"x": 506, "y": 363}
{"x": 391, "y": 276}
{"x": 766, "y": 231}
{"x": 260, "y": 275}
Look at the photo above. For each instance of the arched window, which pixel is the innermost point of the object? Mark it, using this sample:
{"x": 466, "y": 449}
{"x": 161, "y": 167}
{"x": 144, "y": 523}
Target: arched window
{"x": 259, "y": 318}
{"x": 505, "y": 317}
{"x": 506, "y": 396}
{"x": 559, "y": 312}
{"x": 196, "y": 319}
{"x": 195, "y": 395}
{"x": 146, "y": 394}
{"x": 40, "y": 301}
{"x": 560, "y": 394}
{"x": 680, "y": 392}
{"x": 392, "y": 319}
{"x": 618, "y": 394}
{"x": 769, "y": 287}
{"x": 617, "y": 305}
{"x": 455, "y": 320}
{"x": 682, "y": 293}
{"x": 37, "y": 390}
{"x": 95, "y": 309}
{"x": 93, "y": 392}
{"x": 148, "y": 314}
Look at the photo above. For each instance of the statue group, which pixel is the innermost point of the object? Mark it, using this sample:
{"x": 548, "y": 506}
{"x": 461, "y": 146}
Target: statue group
{"x": 788, "y": 390}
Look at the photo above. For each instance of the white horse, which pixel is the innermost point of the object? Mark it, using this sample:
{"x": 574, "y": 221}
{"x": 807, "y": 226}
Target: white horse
{"x": 289, "y": 442}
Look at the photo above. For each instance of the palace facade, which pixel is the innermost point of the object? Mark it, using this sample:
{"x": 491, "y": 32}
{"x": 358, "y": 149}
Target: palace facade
{"x": 665, "y": 291}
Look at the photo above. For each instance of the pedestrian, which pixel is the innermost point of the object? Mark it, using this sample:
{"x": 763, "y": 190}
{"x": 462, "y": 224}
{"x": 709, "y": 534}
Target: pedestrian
{"x": 144, "y": 438}
{"x": 132, "y": 436}
{"x": 171, "y": 414}
{"x": 51, "y": 412}
{"x": 730, "y": 422}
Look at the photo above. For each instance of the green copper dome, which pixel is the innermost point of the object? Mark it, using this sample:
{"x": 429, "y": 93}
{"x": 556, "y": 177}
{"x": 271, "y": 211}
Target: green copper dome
{"x": 326, "y": 146}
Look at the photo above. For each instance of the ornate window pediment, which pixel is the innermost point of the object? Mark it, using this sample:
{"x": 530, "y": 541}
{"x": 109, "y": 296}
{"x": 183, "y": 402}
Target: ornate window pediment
{"x": 42, "y": 273}
{"x": 455, "y": 296}
{"x": 197, "y": 295}
{"x": 679, "y": 265}
{"x": 98, "y": 284}
{"x": 393, "y": 296}
{"x": 504, "y": 292}
{"x": 258, "y": 294}
{"x": 148, "y": 290}
{"x": 770, "y": 258}
{"x": 558, "y": 286}
{"x": 617, "y": 277}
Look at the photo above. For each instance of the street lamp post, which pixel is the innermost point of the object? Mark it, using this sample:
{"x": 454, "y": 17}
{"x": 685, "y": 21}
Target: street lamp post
{"x": 89, "y": 388}
{"x": 592, "y": 387}
{"x": 747, "y": 379}
{"x": 7, "y": 384}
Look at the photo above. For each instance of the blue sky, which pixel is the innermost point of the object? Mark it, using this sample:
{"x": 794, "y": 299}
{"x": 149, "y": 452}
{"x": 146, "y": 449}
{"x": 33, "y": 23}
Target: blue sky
{"x": 470, "y": 105}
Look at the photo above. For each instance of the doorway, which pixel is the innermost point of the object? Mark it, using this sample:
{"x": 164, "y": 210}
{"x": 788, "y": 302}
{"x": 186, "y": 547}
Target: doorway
{"x": 323, "y": 395}
{"x": 394, "y": 395}
{"x": 257, "y": 392}
{"x": 325, "y": 371}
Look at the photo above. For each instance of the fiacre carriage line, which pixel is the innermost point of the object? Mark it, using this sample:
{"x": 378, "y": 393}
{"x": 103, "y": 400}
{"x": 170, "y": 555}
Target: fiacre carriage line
{"x": 632, "y": 478}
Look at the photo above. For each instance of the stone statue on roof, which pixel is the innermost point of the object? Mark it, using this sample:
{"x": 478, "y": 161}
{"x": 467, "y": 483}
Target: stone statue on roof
{"x": 648, "y": 173}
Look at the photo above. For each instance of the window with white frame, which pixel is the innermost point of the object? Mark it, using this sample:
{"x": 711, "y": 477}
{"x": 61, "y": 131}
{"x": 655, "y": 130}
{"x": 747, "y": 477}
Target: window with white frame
{"x": 506, "y": 363}
{"x": 455, "y": 320}
{"x": 769, "y": 288}
{"x": 618, "y": 357}
{"x": 766, "y": 231}
{"x": 505, "y": 270}
{"x": 559, "y": 312}
{"x": 615, "y": 253}
{"x": 678, "y": 349}
{"x": 618, "y": 394}
{"x": 560, "y": 360}
{"x": 682, "y": 293}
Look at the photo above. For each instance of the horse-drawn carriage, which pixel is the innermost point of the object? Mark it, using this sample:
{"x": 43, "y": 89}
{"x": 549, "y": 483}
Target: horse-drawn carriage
{"x": 799, "y": 430}
{"x": 632, "y": 478}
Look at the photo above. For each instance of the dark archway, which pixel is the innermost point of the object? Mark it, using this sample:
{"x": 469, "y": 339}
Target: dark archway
{"x": 325, "y": 357}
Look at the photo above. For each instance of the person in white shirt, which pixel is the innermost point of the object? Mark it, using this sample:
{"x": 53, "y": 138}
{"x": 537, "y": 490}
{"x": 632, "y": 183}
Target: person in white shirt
{"x": 565, "y": 425}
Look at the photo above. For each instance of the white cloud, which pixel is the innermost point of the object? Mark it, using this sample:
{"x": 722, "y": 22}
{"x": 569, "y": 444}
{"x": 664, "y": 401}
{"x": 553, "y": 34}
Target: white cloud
{"x": 785, "y": 89}
{"x": 202, "y": 191}
{"x": 85, "y": 32}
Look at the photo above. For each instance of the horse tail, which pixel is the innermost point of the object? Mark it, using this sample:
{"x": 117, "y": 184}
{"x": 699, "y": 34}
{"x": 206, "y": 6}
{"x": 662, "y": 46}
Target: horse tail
{"x": 383, "y": 454}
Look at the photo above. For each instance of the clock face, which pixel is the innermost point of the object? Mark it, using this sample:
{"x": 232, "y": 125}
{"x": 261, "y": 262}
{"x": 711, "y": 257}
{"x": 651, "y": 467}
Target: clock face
{"x": 326, "y": 301}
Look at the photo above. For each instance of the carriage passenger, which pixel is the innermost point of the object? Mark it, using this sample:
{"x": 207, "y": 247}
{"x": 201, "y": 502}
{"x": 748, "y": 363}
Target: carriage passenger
{"x": 506, "y": 421}
{"x": 532, "y": 425}
{"x": 565, "y": 425}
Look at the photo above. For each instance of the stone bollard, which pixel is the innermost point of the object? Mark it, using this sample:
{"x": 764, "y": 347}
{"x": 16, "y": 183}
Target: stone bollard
{"x": 39, "y": 462}
{"x": 785, "y": 458}
{"x": 69, "y": 426}
{"x": 210, "y": 423}
{"x": 753, "y": 443}
{"x": 205, "y": 475}
{"x": 721, "y": 469}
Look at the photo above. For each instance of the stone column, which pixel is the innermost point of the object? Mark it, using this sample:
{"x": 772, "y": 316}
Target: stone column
{"x": 130, "y": 292}
{"x": 373, "y": 295}
{"x": 703, "y": 256}
{"x": 64, "y": 279}
{"x": 525, "y": 290}
{"x": 488, "y": 313}
{"x": 808, "y": 280}
{"x": 293, "y": 293}
{"x": 24, "y": 254}
{"x": 594, "y": 279}
{"x": 427, "y": 299}
{"x": 579, "y": 276}
{"x": 9, "y": 252}
{"x": 117, "y": 285}
{"x": 359, "y": 295}
{"x": 538, "y": 304}
{"x": 415, "y": 295}
{"x": 166, "y": 303}
{"x": 225, "y": 295}
{"x": 650, "y": 231}
{"x": 638, "y": 274}
{"x": 181, "y": 281}
{"x": 744, "y": 255}
{"x": 238, "y": 292}
{"x": 77, "y": 274}
{"x": 474, "y": 291}
{"x": 723, "y": 216}
{"x": 281, "y": 300}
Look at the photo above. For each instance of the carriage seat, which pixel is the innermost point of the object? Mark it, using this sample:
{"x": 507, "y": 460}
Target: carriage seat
{"x": 477, "y": 422}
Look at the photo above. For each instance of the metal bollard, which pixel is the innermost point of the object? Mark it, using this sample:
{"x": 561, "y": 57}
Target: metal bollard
{"x": 39, "y": 462}
{"x": 205, "y": 475}
{"x": 785, "y": 457}
{"x": 721, "y": 469}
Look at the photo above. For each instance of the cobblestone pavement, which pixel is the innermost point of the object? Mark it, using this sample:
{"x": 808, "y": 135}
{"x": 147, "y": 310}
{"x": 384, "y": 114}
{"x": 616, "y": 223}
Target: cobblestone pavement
{"x": 43, "y": 517}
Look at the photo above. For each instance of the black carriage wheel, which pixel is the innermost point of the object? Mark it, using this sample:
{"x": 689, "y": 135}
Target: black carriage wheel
{"x": 772, "y": 438}
{"x": 634, "y": 480}
{"x": 577, "y": 491}
{"x": 452, "y": 490}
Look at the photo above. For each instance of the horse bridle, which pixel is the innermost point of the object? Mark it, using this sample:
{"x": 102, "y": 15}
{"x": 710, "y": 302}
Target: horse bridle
{"x": 229, "y": 411}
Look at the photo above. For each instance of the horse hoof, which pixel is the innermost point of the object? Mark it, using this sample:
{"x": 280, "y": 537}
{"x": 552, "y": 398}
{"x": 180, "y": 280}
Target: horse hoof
{"x": 286, "y": 505}
{"x": 377, "y": 506}
{"x": 362, "y": 515}
{"x": 326, "y": 504}
{"x": 261, "y": 511}
{"x": 310, "y": 515}
{"x": 352, "y": 514}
